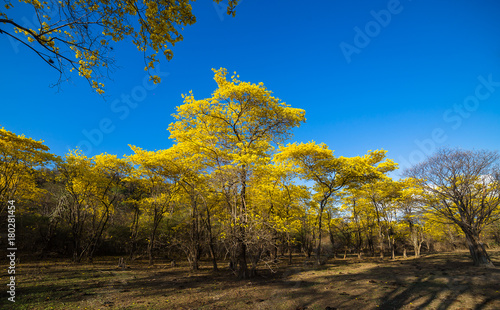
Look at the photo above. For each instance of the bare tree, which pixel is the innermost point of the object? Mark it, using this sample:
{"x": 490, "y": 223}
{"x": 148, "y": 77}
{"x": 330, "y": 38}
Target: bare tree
{"x": 463, "y": 188}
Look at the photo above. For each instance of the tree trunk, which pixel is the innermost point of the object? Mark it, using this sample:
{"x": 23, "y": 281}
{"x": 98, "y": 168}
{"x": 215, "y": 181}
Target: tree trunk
{"x": 381, "y": 243}
{"x": 255, "y": 260}
{"x": 157, "y": 217}
{"x": 242, "y": 261}
{"x": 134, "y": 233}
{"x": 151, "y": 243}
{"x": 194, "y": 258}
{"x": 418, "y": 247}
{"x": 211, "y": 245}
{"x": 318, "y": 249}
{"x": 212, "y": 254}
{"x": 150, "y": 251}
{"x": 417, "y": 242}
{"x": 275, "y": 251}
{"x": 391, "y": 246}
{"x": 477, "y": 251}
{"x": 242, "y": 247}
{"x": 195, "y": 232}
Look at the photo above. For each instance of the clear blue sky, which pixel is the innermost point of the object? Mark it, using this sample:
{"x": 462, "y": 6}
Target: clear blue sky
{"x": 418, "y": 75}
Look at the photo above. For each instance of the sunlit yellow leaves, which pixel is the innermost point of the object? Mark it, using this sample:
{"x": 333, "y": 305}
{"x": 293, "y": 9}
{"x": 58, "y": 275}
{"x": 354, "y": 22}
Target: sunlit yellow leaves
{"x": 237, "y": 125}
{"x": 93, "y": 181}
{"x": 88, "y": 27}
{"x": 20, "y": 157}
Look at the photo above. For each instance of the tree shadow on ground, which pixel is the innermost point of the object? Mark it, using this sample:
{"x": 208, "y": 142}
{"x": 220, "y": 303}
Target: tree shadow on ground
{"x": 440, "y": 281}
{"x": 435, "y": 282}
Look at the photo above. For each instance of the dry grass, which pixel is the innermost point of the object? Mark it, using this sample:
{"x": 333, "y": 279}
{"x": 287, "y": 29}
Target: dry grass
{"x": 439, "y": 281}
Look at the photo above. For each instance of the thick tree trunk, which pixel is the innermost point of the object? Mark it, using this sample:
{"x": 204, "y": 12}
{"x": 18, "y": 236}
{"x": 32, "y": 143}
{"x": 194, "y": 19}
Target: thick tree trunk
{"x": 381, "y": 243}
{"x": 391, "y": 246}
{"x": 242, "y": 261}
{"x": 418, "y": 248}
{"x": 255, "y": 260}
{"x": 417, "y": 242}
{"x": 194, "y": 258}
{"x": 477, "y": 251}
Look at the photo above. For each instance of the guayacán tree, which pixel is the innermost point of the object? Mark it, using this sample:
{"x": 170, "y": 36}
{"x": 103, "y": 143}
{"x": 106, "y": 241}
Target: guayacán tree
{"x": 79, "y": 35}
{"x": 235, "y": 132}
{"x": 20, "y": 160}
{"x": 196, "y": 202}
{"x": 463, "y": 188}
{"x": 92, "y": 192}
{"x": 382, "y": 195}
{"x": 413, "y": 215}
{"x": 362, "y": 217}
{"x": 316, "y": 162}
{"x": 160, "y": 176}
{"x": 280, "y": 205}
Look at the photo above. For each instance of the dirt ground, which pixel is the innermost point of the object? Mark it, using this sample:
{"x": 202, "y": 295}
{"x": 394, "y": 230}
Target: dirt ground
{"x": 437, "y": 281}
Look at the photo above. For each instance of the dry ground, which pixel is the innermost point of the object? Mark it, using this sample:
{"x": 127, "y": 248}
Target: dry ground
{"x": 438, "y": 281}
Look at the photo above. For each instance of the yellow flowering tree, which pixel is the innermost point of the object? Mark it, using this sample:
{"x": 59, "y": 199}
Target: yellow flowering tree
{"x": 235, "y": 132}
{"x": 279, "y": 206}
{"x": 160, "y": 176}
{"x": 92, "y": 188}
{"x": 79, "y": 35}
{"x": 382, "y": 196}
{"x": 20, "y": 161}
{"x": 330, "y": 174}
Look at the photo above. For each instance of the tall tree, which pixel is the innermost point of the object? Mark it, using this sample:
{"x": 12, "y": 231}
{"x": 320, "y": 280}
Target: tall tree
{"x": 463, "y": 187}
{"x": 235, "y": 131}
